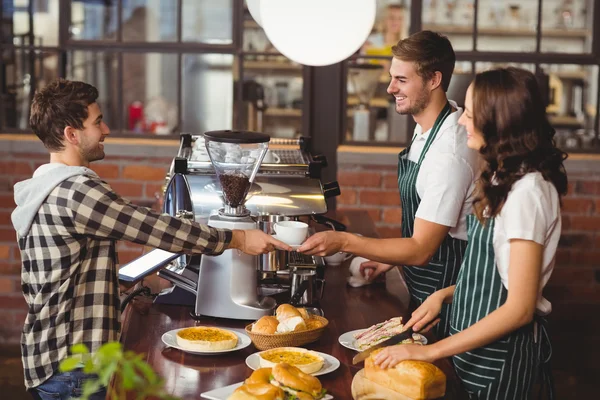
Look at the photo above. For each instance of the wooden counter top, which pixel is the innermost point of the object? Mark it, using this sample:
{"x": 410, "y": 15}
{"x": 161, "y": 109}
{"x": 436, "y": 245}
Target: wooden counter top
{"x": 187, "y": 375}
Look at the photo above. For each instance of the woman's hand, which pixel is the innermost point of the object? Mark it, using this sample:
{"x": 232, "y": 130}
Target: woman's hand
{"x": 370, "y": 270}
{"x": 390, "y": 356}
{"x": 426, "y": 316}
{"x": 323, "y": 244}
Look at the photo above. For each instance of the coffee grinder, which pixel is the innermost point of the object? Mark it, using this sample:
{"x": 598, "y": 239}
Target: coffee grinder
{"x": 227, "y": 283}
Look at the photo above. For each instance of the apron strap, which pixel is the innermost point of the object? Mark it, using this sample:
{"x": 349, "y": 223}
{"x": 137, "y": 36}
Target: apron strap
{"x": 544, "y": 355}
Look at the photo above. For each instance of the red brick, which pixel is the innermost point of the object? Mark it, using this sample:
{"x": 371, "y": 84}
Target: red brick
{"x": 566, "y": 223}
{"x": 153, "y": 189}
{"x": 374, "y": 213}
{"x": 7, "y": 201}
{"x": 577, "y": 205}
{"x": 570, "y": 188}
{"x": 588, "y": 187}
{"x": 571, "y": 275}
{"x": 390, "y": 181}
{"x": 359, "y": 179}
{"x": 8, "y": 235}
{"x": 392, "y": 216}
{"x": 4, "y": 252}
{"x": 379, "y": 198}
{"x": 585, "y": 223}
{"x": 573, "y": 294}
{"x": 144, "y": 173}
{"x": 389, "y": 232}
{"x": 7, "y": 285}
{"x": 563, "y": 257}
{"x": 586, "y": 258}
{"x": 106, "y": 171}
{"x": 576, "y": 240}
{"x": 16, "y": 168}
{"x": 5, "y": 218}
{"x": 347, "y": 197}
{"x": 128, "y": 190}
{"x": 12, "y": 301}
{"x": 10, "y": 268}
{"x": 380, "y": 167}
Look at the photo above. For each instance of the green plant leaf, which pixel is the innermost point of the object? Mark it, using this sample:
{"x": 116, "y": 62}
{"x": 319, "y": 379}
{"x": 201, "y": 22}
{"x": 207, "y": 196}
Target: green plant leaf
{"x": 80, "y": 348}
{"x": 105, "y": 374}
{"x": 69, "y": 364}
{"x": 129, "y": 376}
{"x": 147, "y": 371}
{"x": 89, "y": 388}
{"x": 89, "y": 367}
{"x": 111, "y": 350}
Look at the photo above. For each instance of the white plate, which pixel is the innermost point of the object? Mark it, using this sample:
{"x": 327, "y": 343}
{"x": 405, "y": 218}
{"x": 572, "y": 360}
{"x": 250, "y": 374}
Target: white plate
{"x": 224, "y": 392}
{"x": 347, "y": 339}
{"x": 293, "y": 246}
{"x": 331, "y": 363}
{"x": 170, "y": 339}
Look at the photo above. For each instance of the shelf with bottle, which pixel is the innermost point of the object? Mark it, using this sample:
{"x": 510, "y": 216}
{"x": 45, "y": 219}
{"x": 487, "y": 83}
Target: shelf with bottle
{"x": 468, "y": 30}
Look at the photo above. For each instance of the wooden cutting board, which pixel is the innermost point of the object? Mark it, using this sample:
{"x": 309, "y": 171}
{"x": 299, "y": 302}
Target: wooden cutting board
{"x": 364, "y": 389}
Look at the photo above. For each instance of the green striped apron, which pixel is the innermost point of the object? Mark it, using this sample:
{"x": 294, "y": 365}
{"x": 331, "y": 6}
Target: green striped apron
{"x": 443, "y": 267}
{"x": 509, "y": 367}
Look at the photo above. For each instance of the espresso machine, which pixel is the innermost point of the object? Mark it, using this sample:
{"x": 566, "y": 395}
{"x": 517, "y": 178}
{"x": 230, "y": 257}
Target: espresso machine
{"x": 245, "y": 180}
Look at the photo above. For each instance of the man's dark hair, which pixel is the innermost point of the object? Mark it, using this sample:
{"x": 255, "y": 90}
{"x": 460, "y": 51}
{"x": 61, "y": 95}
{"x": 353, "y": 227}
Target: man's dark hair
{"x": 430, "y": 52}
{"x": 60, "y": 104}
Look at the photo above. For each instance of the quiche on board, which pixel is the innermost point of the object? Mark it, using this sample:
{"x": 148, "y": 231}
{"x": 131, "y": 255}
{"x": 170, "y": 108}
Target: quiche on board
{"x": 306, "y": 361}
{"x": 206, "y": 338}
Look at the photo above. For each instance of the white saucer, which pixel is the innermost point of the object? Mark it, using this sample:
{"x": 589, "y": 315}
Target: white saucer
{"x": 293, "y": 246}
{"x": 331, "y": 363}
{"x": 170, "y": 339}
{"x": 347, "y": 339}
{"x": 224, "y": 393}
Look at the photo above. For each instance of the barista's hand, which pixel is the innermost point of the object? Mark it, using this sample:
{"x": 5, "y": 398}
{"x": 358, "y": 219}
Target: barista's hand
{"x": 427, "y": 315}
{"x": 256, "y": 242}
{"x": 372, "y": 269}
{"x": 323, "y": 244}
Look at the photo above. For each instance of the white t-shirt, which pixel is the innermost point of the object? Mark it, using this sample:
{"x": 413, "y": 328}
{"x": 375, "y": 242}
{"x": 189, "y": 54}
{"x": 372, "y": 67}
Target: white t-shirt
{"x": 446, "y": 179}
{"x": 531, "y": 212}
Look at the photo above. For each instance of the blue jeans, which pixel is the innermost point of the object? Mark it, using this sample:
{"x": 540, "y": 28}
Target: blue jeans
{"x": 65, "y": 386}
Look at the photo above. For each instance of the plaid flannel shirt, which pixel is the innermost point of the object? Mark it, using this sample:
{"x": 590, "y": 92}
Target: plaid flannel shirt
{"x": 69, "y": 274}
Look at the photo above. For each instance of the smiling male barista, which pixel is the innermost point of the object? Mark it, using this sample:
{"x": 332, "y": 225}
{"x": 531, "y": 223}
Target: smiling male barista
{"x": 435, "y": 179}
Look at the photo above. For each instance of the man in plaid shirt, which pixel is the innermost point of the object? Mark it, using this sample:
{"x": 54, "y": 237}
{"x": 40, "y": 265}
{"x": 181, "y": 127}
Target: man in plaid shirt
{"x": 68, "y": 221}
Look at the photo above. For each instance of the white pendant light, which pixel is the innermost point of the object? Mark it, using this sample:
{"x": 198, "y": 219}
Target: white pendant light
{"x": 317, "y": 32}
{"x": 254, "y": 8}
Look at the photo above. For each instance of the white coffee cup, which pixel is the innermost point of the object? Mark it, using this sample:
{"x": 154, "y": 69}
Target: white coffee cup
{"x": 291, "y": 232}
{"x": 337, "y": 258}
{"x": 271, "y": 158}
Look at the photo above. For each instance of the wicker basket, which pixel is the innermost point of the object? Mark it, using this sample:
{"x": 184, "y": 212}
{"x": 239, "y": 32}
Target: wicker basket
{"x": 265, "y": 341}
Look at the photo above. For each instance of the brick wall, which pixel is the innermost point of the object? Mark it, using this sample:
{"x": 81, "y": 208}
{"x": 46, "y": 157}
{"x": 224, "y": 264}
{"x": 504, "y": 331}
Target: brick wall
{"x": 136, "y": 178}
{"x": 576, "y": 278}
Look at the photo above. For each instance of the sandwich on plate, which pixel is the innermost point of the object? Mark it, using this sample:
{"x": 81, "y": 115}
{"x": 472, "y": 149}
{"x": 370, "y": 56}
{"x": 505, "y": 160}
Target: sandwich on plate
{"x": 378, "y": 333}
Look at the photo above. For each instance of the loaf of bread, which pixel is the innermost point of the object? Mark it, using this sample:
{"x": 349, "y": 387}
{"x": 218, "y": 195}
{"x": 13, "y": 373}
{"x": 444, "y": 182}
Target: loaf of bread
{"x": 418, "y": 380}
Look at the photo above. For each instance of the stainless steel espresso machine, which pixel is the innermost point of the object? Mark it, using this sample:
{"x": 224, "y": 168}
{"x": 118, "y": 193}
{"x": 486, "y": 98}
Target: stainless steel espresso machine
{"x": 245, "y": 180}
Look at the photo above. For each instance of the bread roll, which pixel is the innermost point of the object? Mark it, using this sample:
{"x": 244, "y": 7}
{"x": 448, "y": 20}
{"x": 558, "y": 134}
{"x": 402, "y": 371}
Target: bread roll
{"x": 291, "y": 377}
{"x": 418, "y": 380}
{"x": 261, "y": 375}
{"x": 266, "y": 324}
{"x": 303, "y": 313}
{"x": 257, "y": 391}
{"x": 294, "y": 324}
{"x": 286, "y": 311}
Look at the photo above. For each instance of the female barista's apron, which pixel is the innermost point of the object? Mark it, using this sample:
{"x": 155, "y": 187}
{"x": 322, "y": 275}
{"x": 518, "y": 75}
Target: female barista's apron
{"x": 507, "y": 368}
{"x": 442, "y": 270}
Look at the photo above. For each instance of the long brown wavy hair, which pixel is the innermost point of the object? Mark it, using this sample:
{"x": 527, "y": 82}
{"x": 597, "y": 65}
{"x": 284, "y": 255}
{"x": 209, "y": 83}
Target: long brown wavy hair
{"x": 508, "y": 109}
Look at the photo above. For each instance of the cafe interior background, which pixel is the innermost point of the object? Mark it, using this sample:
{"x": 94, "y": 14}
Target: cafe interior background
{"x": 166, "y": 67}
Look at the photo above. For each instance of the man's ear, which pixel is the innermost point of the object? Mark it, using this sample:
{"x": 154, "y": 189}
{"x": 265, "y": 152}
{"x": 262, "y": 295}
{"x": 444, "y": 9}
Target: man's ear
{"x": 435, "y": 81}
{"x": 71, "y": 135}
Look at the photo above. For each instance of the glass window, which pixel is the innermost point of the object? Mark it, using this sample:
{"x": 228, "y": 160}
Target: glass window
{"x": 150, "y": 96}
{"x": 453, "y": 18}
{"x": 93, "y": 20}
{"x": 568, "y": 27}
{"x": 98, "y": 69}
{"x": 149, "y": 20}
{"x": 207, "y": 92}
{"x": 392, "y": 23}
{"x": 44, "y": 29}
{"x": 507, "y": 26}
{"x": 572, "y": 101}
{"x": 207, "y": 21}
{"x": 24, "y": 72}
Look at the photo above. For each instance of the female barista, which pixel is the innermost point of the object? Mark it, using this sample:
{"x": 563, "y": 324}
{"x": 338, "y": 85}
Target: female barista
{"x": 435, "y": 177}
{"x": 498, "y": 340}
